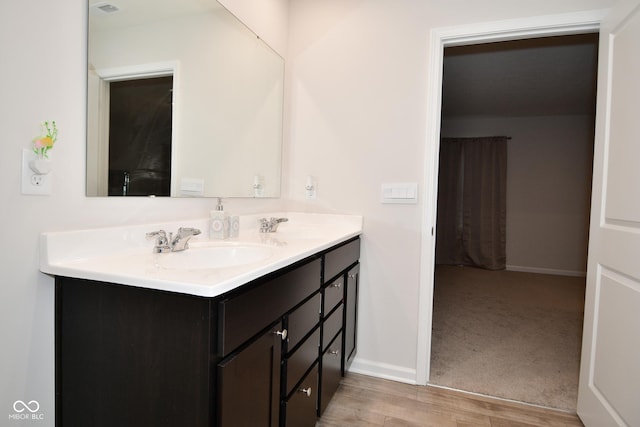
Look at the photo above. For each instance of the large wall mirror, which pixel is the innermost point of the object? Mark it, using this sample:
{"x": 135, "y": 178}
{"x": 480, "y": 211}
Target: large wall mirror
{"x": 183, "y": 100}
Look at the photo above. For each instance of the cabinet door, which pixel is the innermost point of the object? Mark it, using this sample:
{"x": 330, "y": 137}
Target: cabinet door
{"x": 249, "y": 384}
{"x": 331, "y": 326}
{"x": 331, "y": 363}
{"x": 302, "y": 359}
{"x": 351, "y": 315}
{"x": 128, "y": 356}
{"x": 302, "y": 321}
{"x": 339, "y": 259}
{"x": 333, "y": 294}
{"x": 301, "y": 407}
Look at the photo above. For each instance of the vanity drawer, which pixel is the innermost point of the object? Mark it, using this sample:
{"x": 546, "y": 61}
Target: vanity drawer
{"x": 340, "y": 258}
{"x": 302, "y": 320}
{"x": 332, "y": 326}
{"x": 302, "y": 359}
{"x": 243, "y": 316}
{"x": 331, "y": 372}
{"x": 333, "y": 294}
{"x": 301, "y": 406}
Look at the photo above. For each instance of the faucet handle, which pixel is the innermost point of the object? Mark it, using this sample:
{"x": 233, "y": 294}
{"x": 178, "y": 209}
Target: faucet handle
{"x": 264, "y": 225}
{"x": 160, "y": 234}
{"x": 162, "y": 242}
{"x": 270, "y": 225}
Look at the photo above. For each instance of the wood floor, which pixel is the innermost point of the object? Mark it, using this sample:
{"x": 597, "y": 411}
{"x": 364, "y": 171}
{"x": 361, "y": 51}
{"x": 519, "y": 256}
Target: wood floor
{"x": 368, "y": 401}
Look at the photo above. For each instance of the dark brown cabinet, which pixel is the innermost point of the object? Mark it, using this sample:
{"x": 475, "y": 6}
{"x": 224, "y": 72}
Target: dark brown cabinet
{"x": 129, "y": 356}
{"x": 351, "y": 315}
{"x": 270, "y": 353}
{"x": 248, "y": 383}
{"x": 340, "y": 277}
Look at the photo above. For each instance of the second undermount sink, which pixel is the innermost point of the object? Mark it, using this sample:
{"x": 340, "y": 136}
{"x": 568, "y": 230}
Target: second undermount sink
{"x": 216, "y": 256}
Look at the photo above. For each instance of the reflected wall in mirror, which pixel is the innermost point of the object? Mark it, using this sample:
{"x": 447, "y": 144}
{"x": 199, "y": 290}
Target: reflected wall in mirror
{"x": 223, "y": 137}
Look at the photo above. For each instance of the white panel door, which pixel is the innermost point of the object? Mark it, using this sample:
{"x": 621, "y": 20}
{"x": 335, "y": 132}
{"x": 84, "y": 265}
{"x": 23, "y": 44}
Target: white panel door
{"x": 609, "y": 392}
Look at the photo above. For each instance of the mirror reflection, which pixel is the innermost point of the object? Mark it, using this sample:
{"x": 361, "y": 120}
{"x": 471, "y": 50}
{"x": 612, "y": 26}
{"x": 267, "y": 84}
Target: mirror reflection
{"x": 183, "y": 100}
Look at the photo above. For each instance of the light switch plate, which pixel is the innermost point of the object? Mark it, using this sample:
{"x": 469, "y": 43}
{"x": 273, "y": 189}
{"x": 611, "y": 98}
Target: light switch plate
{"x": 193, "y": 187}
{"x": 33, "y": 183}
{"x": 399, "y": 193}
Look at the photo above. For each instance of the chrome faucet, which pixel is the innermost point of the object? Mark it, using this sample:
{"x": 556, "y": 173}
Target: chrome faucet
{"x": 172, "y": 244}
{"x": 270, "y": 225}
{"x": 181, "y": 240}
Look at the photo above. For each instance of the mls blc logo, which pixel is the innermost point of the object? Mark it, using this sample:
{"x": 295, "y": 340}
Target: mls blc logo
{"x": 26, "y": 410}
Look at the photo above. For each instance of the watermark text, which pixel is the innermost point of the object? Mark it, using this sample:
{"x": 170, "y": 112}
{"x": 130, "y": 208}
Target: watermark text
{"x": 26, "y": 411}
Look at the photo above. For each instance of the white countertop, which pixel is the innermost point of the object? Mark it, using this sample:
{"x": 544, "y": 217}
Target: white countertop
{"x": 124, "y": 255}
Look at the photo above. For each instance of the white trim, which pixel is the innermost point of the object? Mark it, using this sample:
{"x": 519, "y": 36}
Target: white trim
{"x": 553, "y": 271}
{"x": 502, "y": 399}
{"x": 383, "y": 370}
{"x": 156, "y": 69}
{"x": 538, "y": 26}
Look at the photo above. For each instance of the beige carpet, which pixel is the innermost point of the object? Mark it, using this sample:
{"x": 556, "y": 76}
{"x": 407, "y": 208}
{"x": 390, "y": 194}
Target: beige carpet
{"x": 508, "y": 334}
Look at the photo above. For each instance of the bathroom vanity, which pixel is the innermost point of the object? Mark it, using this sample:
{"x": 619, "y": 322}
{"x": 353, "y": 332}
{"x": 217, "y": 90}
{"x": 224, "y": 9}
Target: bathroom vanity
{"x": 263, "y": 344}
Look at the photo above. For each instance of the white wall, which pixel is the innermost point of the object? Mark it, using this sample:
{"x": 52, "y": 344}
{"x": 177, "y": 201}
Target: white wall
{"x": 43, "y": 51}
{"x": 548, "y": 187}
{"x": 357, "y": 75}
{"x": 356, "y": 80}
{"x": 268, "y": 19}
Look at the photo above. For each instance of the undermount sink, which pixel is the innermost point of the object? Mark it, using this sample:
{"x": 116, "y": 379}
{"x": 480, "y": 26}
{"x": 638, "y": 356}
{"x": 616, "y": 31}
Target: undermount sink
{"x": 206, "y": 257}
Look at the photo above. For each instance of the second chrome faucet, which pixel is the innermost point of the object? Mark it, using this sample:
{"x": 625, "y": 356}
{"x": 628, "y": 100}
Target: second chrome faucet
{"x": 172, "y": 243}
{"x": 270, "y": 225}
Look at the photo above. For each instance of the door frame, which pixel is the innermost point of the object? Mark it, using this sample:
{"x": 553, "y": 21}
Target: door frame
{"x": 488, "y": 32}
{"x": 98, "y": 138}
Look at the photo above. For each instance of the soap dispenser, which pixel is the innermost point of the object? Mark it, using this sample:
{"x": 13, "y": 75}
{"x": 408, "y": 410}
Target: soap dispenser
{"x": 219, "y": 228}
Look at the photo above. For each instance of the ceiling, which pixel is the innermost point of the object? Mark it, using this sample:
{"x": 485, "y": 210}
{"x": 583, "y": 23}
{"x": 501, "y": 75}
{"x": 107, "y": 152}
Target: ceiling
{"x": 532, "y": 77}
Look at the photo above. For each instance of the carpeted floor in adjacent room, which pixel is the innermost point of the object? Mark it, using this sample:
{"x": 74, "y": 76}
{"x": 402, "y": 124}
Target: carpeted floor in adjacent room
{"x": 508, "y": 334}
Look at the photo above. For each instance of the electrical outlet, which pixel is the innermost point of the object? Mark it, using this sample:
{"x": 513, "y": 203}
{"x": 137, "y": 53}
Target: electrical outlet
{"x": 311, "y": 194}
{"x": 37, "y": 180}
{"x": 33, "y": 183}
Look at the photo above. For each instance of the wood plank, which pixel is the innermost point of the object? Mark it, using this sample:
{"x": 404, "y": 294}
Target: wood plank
{"x": 367, "y": 401}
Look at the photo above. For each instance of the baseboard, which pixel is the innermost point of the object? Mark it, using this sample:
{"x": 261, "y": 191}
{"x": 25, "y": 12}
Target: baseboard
{"x": 553, "y": 271}
{"x": 383, "y": 370}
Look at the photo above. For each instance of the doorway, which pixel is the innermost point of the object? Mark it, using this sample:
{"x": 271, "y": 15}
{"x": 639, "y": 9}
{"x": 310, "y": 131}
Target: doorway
{"x": 552, "y": 25}
{"x": 130, "y": 143}
{"x": 140, "y": 128}
{"x": 515, "y": 334}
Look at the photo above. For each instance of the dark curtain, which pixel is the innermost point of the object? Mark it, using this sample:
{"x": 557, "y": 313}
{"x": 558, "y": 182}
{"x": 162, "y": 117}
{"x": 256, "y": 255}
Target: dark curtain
{"x": 472, "y": 189}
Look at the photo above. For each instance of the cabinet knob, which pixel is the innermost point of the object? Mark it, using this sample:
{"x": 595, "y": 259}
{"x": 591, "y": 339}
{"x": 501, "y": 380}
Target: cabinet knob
{"x": 336, "y": 285}
{"x": 282, "y": 333}
{"x": 352, "y": 276}
{"x": 306, "y": 391}
{"x": 334, "y": 352}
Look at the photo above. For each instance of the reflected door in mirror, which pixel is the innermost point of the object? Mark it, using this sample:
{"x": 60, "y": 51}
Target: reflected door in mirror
{"x": 140, "y": 117}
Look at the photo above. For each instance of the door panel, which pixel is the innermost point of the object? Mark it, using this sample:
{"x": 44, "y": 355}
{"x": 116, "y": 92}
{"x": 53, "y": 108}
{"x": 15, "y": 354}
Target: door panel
{"x": 623, "y": 174}
{"x": 616, "y": 368}
{"x": 610, "y": 371}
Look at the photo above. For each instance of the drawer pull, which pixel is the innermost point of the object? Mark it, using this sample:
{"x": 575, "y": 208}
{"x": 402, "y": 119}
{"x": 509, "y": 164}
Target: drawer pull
{"x": 336, "y": 285}
{"x": 352, "y": 276}
{"x": 334, "y": 352}
{"x": 306, "y": 391}
{"x": 282, "y": 333}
